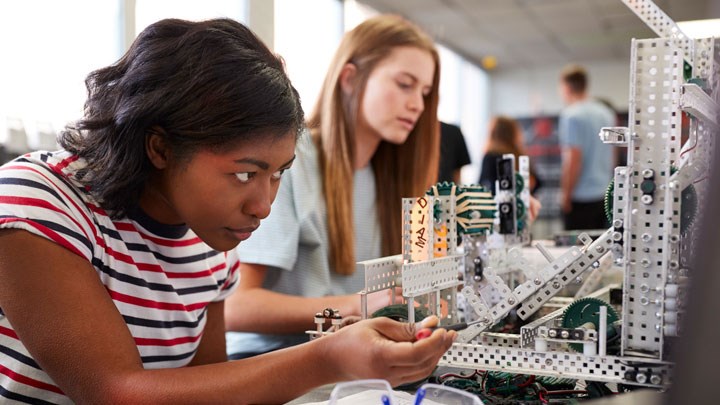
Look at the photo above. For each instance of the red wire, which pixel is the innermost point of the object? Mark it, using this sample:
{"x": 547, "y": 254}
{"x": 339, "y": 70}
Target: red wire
{"x": 527, "y": 382}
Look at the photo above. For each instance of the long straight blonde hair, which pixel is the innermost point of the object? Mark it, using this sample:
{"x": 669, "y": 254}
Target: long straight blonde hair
{"x": 404, "y": 170}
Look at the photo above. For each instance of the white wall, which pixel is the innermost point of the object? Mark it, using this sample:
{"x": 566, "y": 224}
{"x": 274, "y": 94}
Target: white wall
{"x": 534, "y": 91}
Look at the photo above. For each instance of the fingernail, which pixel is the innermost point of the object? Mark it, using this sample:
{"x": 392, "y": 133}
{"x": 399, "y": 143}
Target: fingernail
{"x": 425, "y": 323}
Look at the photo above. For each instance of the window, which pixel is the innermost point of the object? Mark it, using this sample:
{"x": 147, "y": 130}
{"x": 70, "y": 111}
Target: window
{"x": 306, "y": 36}
{"x": 48, "y": 48}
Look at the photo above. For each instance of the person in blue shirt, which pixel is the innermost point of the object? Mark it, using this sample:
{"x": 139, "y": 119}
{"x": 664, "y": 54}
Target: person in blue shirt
{"x": 587, "y": 163}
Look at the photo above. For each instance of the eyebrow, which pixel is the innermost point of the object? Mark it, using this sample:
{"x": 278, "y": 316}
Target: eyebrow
{"x": 261, "y": 163}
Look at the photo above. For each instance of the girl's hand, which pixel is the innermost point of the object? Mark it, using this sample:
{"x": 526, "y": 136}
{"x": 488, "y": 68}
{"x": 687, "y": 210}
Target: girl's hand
{"x": 386, "y": 349}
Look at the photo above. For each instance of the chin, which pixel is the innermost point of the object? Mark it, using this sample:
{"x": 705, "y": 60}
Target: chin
{"x": 397, "y": 139}
{"x": 220, "y": 244}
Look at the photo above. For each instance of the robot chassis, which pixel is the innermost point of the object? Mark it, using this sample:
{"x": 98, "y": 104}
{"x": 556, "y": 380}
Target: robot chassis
{"x": 669, "y": 76}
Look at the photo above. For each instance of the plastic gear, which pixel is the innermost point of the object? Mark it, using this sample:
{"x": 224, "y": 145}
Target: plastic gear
{"x": 445, "y": 188}
{"x": 399, "y": 312}
{"x": 519, "y": 183}
{"x": 608, "y": 201}
{"x": 688, "y": 203}
{"x": 587, "y": 310}
{"x": 520, "y": 212}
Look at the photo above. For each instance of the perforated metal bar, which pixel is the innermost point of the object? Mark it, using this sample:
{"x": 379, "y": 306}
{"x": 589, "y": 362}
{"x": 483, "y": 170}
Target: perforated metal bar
{"x": 380, "y": 274}
{"x": 494, "y": 356}
{"x": 424, "y": 277}
{"x": 656, "y": 76}
{"x": 661, "y": 24}
{"x": 695, "y": 101}
{"x": 565, "y": 269}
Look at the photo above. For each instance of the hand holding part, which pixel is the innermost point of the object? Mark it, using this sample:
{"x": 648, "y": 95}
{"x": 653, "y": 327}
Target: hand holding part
{"x": 426, "y": 332}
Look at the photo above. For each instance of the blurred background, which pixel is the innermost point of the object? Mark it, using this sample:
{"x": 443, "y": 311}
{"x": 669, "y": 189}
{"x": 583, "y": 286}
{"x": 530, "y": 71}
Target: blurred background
{"x": 499, "y": 57}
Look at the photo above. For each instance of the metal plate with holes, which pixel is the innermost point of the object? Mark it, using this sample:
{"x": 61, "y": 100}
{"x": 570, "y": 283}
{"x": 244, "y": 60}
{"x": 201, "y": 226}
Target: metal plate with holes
{"x": 494, "y": 357}
{"x": 566, "y": 274}
{"x": 657, "y": 74}
{"x": 659, "y": 22}
{"x": 382, "y": 273}
{"x": 424, "y": 277}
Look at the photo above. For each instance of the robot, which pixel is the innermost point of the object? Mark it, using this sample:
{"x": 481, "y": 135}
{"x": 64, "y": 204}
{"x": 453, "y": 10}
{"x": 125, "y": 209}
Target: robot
{"x": 651, "y": 203}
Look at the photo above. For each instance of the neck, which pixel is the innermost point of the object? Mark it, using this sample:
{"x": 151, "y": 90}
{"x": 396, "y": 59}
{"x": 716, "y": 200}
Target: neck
{"x": 365, "y": 147}
{"x": 154, "y": 203}
{"x": 576, "y": 98}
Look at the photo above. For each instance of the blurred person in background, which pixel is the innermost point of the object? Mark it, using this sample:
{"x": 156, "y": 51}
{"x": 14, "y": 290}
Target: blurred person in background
{"x": 587, "y": 163}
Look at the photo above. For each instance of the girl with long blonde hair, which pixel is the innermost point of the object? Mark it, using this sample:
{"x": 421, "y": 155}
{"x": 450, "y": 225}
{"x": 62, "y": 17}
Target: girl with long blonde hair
{"x": 373, "y": 139}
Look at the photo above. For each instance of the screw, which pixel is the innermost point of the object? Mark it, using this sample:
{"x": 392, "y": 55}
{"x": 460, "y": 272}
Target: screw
{"x": 600, "y": 249}
{"x": 645, "y": 262}
{"x": 564, "y": 334}
{"x": 511, "y": 301}
{"x": 646, "y": 199}
{"x": 648, "y": 173}
{"x": 618, "y": 223}
{"x": 655, "y": 379}
{"x": 552, "y": 333}
{"x": 537, "y": 281}
{"x": 646, "y": 237}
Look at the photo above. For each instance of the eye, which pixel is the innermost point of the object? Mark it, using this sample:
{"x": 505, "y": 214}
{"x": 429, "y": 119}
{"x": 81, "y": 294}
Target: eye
{"x": 404, "y": 86}
{"x": 278, "y": 174}
{"x": 245, "y": 177}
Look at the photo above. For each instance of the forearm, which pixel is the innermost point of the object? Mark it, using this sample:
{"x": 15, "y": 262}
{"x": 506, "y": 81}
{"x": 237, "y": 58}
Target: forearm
{"x": 263, "y": 311}
{"x": 276, "y": 377}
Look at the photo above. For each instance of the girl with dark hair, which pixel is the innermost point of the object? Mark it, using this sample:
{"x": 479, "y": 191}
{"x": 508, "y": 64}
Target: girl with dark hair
{"x": 505, "y": 137}
{"x": 116, "y": 253}
{"x": 374, "y": 139}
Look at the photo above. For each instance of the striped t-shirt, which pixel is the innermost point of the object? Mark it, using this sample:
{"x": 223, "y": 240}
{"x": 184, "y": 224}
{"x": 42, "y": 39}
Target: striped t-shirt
{"x": 160, "y": 277}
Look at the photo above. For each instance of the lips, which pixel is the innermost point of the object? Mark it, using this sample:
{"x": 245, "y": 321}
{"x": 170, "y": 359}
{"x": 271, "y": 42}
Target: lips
{"x": 409, "y": 124}
{"x": 241, "y": 234}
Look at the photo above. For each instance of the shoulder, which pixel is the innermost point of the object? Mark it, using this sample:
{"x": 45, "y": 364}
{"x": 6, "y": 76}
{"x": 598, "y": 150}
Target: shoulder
{"x": 450, "y": 130}
{"x": 305, "y": 171}
{"x": 41, "y": 192}
{"x": 41, "y": 173}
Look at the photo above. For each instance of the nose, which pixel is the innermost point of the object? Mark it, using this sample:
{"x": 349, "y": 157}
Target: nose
{"x": 416, "y": 102}
{"x": 258, "y": 202}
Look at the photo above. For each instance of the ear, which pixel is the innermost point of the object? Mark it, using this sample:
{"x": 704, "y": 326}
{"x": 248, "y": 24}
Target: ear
{"x": 347, "y": 78}
{"x": 156, "y": 148}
